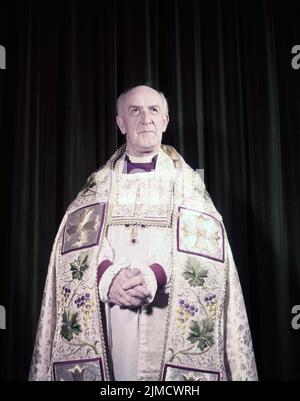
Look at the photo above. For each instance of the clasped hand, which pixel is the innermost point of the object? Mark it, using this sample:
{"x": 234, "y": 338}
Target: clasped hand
{"x": 128, "y": 289}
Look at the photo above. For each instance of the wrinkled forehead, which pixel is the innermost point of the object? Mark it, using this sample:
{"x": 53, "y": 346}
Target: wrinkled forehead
{"x": 142, "y": 96}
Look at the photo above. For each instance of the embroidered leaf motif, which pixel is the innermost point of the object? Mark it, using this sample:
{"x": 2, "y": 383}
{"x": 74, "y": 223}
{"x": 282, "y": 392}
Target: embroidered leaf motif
{"x": 202, "y": 332}
{"x": 90, "y": 183}
{"x": 77, "y": 373}
{"x": 79, "y": 266}
{"x": 70, "y": 326}
{"x": 194, "y": 274}
{"x": 190, "y": 378}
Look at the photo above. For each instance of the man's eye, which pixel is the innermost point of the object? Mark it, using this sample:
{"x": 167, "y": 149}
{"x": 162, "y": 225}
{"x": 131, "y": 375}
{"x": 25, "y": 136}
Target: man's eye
{"x": 154, "y": 110}
{"x": 135, "y": 112}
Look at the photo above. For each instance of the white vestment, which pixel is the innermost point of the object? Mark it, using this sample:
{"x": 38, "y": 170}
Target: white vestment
{"x": 153, "y": 246}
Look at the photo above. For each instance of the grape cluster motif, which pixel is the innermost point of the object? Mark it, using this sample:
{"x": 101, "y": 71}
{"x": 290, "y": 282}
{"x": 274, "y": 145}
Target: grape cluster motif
{"x": 66, "y": 293}
{"x": 81, "y": 301}
{"x": 87, "y": 306}
{"x": 184, "y": 312}
{"x": 210, "y": 301}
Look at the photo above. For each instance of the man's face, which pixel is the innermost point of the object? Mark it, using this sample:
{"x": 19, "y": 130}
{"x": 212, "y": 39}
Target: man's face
{"x": 143, "y": 118}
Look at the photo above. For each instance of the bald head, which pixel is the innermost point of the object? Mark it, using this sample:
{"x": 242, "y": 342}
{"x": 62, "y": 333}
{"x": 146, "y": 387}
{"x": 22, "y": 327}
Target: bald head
{"x": 128, "y": 92}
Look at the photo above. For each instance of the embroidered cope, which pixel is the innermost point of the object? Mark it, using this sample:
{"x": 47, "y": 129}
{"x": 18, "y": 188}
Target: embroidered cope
{"x": 162, "y": 221}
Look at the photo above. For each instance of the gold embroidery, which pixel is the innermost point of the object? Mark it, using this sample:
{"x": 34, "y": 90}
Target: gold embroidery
{"x": 80, "y": 230}
{"x": 143, "y": 200}
{"x": 200, "y": 233}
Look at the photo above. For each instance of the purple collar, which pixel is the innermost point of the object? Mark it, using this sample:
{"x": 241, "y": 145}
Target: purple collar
{"x": 131, "y": 168}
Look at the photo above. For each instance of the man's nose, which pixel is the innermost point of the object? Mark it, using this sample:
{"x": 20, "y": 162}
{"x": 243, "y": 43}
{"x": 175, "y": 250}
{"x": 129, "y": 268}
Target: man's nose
{"x": 146, "y": 117}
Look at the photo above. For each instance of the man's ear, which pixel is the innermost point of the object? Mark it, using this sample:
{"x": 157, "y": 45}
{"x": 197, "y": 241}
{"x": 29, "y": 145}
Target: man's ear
{"x": 165, "y": 122}
{"x": 121, "y": 125}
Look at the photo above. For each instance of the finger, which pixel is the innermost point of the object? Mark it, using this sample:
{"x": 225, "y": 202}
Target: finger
{"x": 122, "y": 302}
{"x": 133, "y": 282}
{"x": 134, "y": 302}
{"x": 142, "y": 289}
{"x": 115, "y": 300}
{"x": 120, "y": 279}
{"x": 132, "y": 272}
{"x": 124, "y": 275}
{"x": 123, "y": 297}
{"x": 136, "y": 294}
{"x": 130, "y": 300}
{"x": 139, "y": 292}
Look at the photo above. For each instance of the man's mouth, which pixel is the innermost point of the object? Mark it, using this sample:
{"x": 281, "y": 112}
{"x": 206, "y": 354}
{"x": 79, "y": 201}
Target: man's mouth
{"x": 142, "y": 132}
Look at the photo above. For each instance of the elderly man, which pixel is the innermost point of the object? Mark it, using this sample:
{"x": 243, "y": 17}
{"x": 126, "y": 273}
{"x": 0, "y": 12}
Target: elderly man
{"x": 141, "y": 283}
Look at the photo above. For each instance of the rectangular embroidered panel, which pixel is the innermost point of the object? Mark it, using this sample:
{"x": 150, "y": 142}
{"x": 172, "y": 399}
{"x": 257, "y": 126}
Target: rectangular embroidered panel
{"x": 78, "y": 370}
{"x": 182, "y": 373}
{"x": 201, "y": 234}
{"x": 83, "y": 227}
{"x": 143, "y": 201}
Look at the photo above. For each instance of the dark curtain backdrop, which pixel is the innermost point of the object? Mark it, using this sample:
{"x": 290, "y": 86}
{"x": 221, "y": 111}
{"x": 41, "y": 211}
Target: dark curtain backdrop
{"x": 225, "y": 67}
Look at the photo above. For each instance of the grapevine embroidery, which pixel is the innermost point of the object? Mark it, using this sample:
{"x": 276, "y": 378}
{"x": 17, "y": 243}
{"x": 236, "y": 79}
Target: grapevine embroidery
{"x": 84, "y": 306}
{"x": 201, "y": 331}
